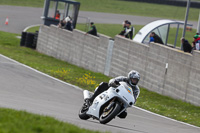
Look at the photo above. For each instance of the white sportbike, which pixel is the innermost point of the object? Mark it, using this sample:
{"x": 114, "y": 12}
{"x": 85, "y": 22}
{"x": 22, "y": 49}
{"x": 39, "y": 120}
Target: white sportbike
{"x": 108, "y": 104}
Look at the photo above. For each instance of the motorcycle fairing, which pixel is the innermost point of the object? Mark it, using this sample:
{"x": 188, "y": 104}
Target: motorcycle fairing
{"x": 124, "y": 94}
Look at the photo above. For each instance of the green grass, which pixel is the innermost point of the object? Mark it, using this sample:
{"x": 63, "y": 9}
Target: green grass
{"x": 169, "y": 107}
{"x": 12, "y": 121}
{"x": 138, "y": 8}
{"x": 30, "y": 3}
{"x": 120, "y": 7}
{"x": 176, "y": 109}
{"x": 33, "y": 29}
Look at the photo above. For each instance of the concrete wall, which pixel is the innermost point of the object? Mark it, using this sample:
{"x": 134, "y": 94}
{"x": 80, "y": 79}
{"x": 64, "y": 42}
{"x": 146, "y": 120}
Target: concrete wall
{"x": 193, "y": 88}
{"x": 180, "y": 79}
{"x": 75, "y": 47}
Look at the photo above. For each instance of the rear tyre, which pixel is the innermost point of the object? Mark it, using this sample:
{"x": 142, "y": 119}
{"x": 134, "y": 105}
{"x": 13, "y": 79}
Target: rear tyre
{"x": 109, "y": 114}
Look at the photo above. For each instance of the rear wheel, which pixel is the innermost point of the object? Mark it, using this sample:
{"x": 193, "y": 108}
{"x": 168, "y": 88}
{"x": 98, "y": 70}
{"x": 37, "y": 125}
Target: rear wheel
{"x": 82, "y": 112}
{"x": 110, "y": 112}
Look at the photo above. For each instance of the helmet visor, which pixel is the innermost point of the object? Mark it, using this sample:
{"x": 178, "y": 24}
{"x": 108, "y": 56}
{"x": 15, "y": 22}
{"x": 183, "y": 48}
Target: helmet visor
{"x": 134, "y": 81}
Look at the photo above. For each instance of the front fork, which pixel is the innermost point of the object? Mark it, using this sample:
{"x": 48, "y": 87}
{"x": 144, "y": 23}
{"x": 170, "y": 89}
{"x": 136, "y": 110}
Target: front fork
{"x": 109, "y": 105}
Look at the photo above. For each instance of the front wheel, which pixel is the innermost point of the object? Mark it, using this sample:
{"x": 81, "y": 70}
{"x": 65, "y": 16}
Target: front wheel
{"x": 82, "y": 113}
{"x": 109, "y": 114}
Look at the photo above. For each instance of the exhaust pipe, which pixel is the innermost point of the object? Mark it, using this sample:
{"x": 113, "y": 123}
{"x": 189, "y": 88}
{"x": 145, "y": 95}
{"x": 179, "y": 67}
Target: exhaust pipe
{"x": 86, "y": 94}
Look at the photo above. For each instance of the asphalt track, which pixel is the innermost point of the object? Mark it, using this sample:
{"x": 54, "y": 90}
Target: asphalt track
{"x": 24, "y": 88}
{"x": 21, "y": 17}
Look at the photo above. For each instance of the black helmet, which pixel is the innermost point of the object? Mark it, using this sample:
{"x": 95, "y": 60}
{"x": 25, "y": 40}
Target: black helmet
{"x": 133, "y": 77}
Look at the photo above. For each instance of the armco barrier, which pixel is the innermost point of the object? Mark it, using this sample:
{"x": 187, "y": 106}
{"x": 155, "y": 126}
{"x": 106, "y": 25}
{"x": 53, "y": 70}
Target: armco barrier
{"x": 164, "y": 70}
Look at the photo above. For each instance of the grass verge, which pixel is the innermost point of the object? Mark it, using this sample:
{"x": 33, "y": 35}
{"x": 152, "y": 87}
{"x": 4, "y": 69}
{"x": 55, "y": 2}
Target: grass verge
{"x": 33, "y": 29}
{"x": 22, "y": 122}
{"x": 120, "y": 7}
{"x": 176, "y": 109}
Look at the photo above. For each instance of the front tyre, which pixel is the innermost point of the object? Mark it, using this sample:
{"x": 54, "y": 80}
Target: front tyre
{"x": 109, "y": 114}
{"x": 82, "y": 113}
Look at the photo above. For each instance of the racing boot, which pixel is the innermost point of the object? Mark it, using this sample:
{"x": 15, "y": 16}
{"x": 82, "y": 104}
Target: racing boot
{"x": 87, "y": 102}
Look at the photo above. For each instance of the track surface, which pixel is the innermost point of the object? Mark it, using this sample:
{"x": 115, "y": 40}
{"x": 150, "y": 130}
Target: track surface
{"x": 23, "y": 88}
{"x": 21, "y": 17}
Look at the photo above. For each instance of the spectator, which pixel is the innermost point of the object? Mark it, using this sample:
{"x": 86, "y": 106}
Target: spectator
{"x": 151, "y": 38}
{"x": 197, "y": 42}
{"x": 127, "y": 31}
{"x": 198, "y": 34}
{"x": 57, "y": 14}
{"x": 156, "y": 38}
{"x": 193, "y": 47}
{"x": 68, "y": 24}
{"x": 93, "y": 30}
{"x": 186, "y": 45}
{"x": 61, "y": 24}
{"x": 124, "y": 28}
{"x": 124, "y": 23}
{"x": 72, "y": 26}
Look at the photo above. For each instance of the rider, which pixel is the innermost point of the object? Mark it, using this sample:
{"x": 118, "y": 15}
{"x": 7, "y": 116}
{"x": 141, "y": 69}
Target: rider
{"x": 132, "y": 79}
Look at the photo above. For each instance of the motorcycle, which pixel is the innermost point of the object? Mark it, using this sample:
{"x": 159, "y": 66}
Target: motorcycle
{"x": 108, "y": 104}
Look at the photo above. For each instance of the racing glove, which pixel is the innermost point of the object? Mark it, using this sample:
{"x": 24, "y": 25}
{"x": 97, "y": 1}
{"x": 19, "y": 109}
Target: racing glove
{"x": 113, "y": 83}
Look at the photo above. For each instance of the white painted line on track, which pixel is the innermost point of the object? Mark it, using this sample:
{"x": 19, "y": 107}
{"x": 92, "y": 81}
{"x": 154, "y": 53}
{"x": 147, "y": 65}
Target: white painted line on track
{"x": 13, "y": 63}
{"x": 76, "y": 87}
{"x": 31, "y": 27}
